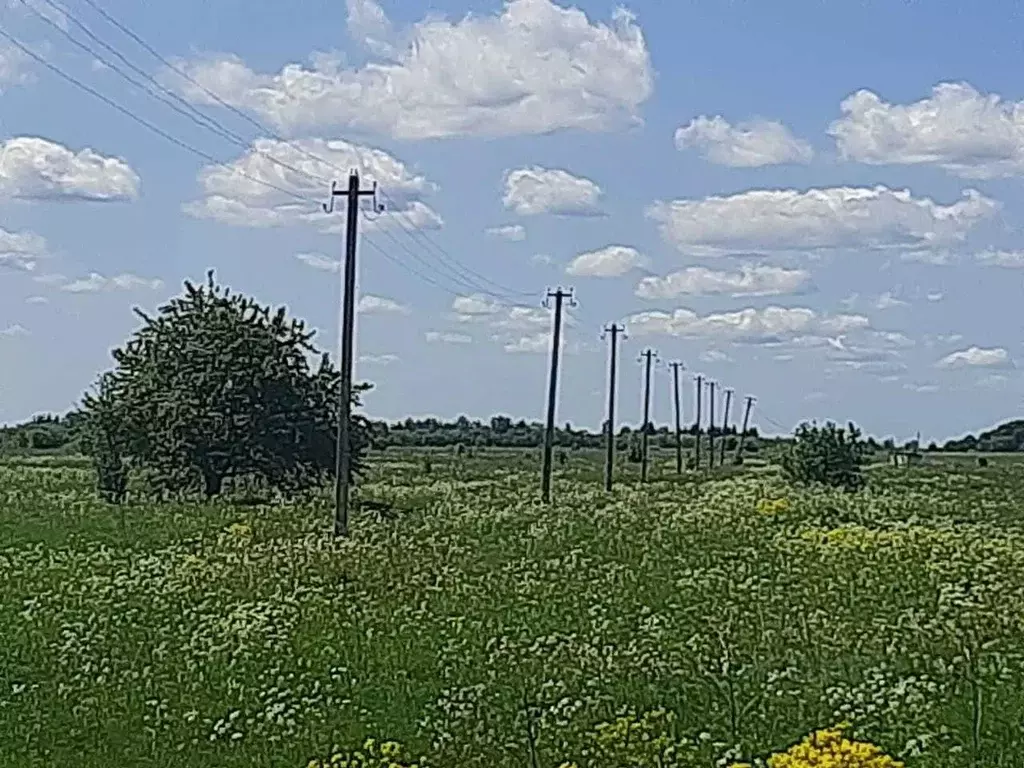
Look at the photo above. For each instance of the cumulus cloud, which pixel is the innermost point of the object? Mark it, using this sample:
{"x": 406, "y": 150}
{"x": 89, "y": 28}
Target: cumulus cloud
{"x": 533, "y": 68}
{"x": 12, "y": 66}
{"x": 270, "y": 194}
{"x": 380, "y": 360}
{"x": 514, "y": 232}
{"x": 770, "y": 325}
{"x": 1008, "y": 259}
{"x": 816, "y": 219}
{"x": 441, "y": 337}
{"x": 38, "y": 169}
{"x": 12, "y": 331}
{"x": 517, "y": 328}
{"x": 610, "y": 261}
{"x": 532, "y": 344}
{"x": 749, "y": 281}
{"x": 888, "y": 300}
{"x": 968, "y": 133}
{"x": 319, "y": 261}
{"x": 752, "y": 144}
{"x": 21, "y": 250}
{"x": 378, "y": 305}
{"x": 977, "y": 357}
{"x": 96, "y": 283}
{"x": 537, "y": 190}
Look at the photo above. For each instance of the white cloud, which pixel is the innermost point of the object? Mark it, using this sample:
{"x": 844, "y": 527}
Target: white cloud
{"x": 368, "y": 23}
{"x": 816, "y": 219}
{"x": 534, "y": 68}
{"x": 541, "y": 258}
{"x": 536, "y": 190}
{"x": 21, "y": 250}
{"x": 514, "y": 232}
{"x": 37, "y": 169}
{"x": 610, "y": 261}
{"x": 475, "y": 306}
{"x": 750, "y": 326}
{"x": 370, "y": 304}
{"x": 12, "y": 66}
{"x": 921, "y": 388}
{"x": 1009, "y": 259}
{"x": 749, "y": 281}
{"x": 888, "y": 300}
{"x": 935, "y": 296}
{"x": 532, "y": 344}
{"x": 752, "y": 144}
{"x": 319, "y": 261}
{"x": 14, "y": 330}
{"x": 714, "y": 356}
{"x": 965, "y": 132}
{"x": 37, "y": 300}
{"x": 440, "y": 337}
{"x": 247, "y": 200}
{"x": 977, "y": 357}
{"x": 380, "y": 360}
{"x": 95, "y": 283}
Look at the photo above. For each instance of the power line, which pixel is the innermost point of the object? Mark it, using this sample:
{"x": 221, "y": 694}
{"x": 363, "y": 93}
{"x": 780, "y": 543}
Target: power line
{"x": 444, "y": 257}
{"x": 142, "y": 121}
{"x": 456, "y": 279}
{"x": 187, "y": 110}
{"x": 398, "y": 213}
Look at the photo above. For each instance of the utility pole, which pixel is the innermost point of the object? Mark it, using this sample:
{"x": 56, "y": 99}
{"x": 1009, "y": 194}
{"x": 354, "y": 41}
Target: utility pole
{"x": 711, "y": 425}
{"x": 725, "y": 426}
{"x": 343, "y": 447}
{"x": 743, "y": 432}
{"x": 647, "y": 356}
{"x": 676, "y": 366}
{"x": 549, "y": 432}
{"x": 613, "y": 332}
{"x": 696, "y": 454}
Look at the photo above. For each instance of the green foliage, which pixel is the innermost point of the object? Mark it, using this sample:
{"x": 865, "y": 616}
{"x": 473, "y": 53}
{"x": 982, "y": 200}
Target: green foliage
{"x": 828, "y": 455}
{"x": 103, "y": 440}
{"x": 215, "y": 386}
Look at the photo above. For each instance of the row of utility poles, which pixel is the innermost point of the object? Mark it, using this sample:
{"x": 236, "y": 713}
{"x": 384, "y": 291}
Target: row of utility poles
{"x": 615, "y": 333}
{"x": 353, "y": 193}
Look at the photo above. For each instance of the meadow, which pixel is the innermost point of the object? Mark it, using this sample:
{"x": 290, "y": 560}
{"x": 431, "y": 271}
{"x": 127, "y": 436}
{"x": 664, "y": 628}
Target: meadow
{"x": 695, "y": 621}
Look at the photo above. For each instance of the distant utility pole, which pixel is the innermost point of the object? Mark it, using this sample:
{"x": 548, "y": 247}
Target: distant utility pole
{"x": 711, "y": 425}
{"x": 549, "y": 432}
{"x": 743, "y": 432}
{"x": 676, "y": 366}
{"x": 612, "y": 332}
{"x": 696, "y": 454}
{"x": 647, "y": 357}
{"x": 343, "y": 447}
{"x": 725, "y": 426}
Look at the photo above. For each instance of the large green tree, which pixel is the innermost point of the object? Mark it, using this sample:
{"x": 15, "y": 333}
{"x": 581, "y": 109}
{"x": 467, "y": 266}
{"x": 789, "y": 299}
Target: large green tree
{"x": 216, "y": 386}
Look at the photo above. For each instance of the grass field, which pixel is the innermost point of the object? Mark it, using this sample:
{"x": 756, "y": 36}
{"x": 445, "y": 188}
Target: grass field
{"x": 684, "y": 623}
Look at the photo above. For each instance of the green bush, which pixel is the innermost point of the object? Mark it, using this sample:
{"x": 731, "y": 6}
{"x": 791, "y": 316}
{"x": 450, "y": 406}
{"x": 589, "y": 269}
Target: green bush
{"x": 827, "y": 455}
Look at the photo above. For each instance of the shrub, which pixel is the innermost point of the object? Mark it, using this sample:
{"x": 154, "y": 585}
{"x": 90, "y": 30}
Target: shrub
{"x": 828, "y": 455}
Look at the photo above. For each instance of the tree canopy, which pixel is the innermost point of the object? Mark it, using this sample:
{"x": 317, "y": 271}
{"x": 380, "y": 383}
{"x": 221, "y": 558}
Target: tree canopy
{"x": 216, "y": 386}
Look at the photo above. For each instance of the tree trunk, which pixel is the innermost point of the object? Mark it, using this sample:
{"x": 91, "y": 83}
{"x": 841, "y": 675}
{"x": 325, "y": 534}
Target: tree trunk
{"x": 212, "y": 483}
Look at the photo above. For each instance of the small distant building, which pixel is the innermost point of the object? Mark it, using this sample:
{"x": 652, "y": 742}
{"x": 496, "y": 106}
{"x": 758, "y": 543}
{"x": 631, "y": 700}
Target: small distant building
{"x": 902, "y": 458}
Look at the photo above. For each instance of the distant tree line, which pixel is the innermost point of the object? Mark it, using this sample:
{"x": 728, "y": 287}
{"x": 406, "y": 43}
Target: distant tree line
{"x": 62, "y": 434}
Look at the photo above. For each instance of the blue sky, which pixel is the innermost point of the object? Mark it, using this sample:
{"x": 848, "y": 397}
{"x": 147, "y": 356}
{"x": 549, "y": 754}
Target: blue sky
{"x": 817, "y": 204}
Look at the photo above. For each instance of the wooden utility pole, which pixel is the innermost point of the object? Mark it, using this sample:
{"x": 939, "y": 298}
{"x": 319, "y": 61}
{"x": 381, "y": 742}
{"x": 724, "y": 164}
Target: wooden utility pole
{"x": 725, "y": 426}
{"x": 343, "y": 446}
{"x": 676, "y": 367}
{"x": 696, "y": 449}
{"x": 743, "y": 432}
{"x": 612, "y": 332}
{"x": 549, "y": 432}
{"x": 647, "y": 357}
{"x": 711, "y": 425}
